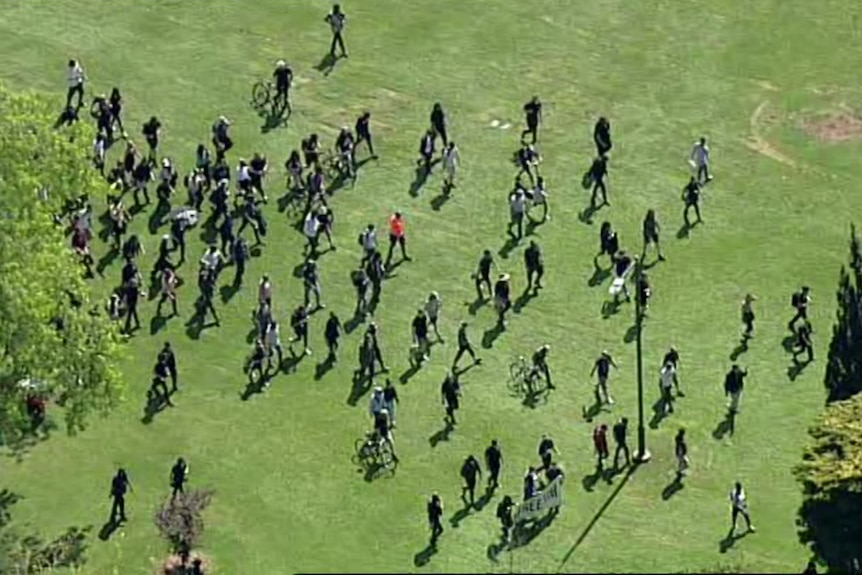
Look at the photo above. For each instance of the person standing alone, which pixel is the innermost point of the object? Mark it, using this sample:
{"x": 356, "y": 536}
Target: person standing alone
{"x": 739, "y": 506}
{"x": 76, "y": 83}
{"x": 337, "y": 20}
{"x": 435, "y": 513}
{"x": 120, "y": 485}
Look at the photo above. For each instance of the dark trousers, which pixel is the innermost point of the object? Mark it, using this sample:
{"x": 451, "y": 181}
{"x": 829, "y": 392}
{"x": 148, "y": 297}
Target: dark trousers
{"x": 461, "y": 351}
{"x": 173, "y": 373}
{"x": 621, "y": 448}
{"x": 736, "y": 512}
{"x": 118, "y": 507}
{"x": 367, "y": 139}
{"x": 206, "y": 304}
{"x": 73, "y": 90}
{"x": 441, "y": 131}
{"x": 532, "y": 130}
{"x": 402, "y": 242}
{"x": 176, "y": 488}
{"x": 517, "y": 222}
{"x": 248, "y": 222}
{"x": 696, "y": 207}
{"x": 494, "y": 476}
{"x": 131, "y": 313}
{"x": 240, "y": 272}
{"x": 599, "y": 184}
{"x": 436, "y": 530}
{"x": 470, "y": 490}
{"x": 801, "y": 313}
{"x": 332, "y": 345}
{"x": 483, "y": 281}
{"x": 173, "y": 300}
{"x": 703, "y": 175}
{"x": 535, "y": 274}
{"x": 159, "y": 391}
{"x": 337, "y": 41}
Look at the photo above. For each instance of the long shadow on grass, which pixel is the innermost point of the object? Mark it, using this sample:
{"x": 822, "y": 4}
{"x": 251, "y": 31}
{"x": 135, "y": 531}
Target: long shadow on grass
{"x": 740, "y": 349}
{"x": 441, "y": 435}
{"x": 326, "y": 64}
{"x": 424, "y": 557}
{"x": 523, "y": 300}
{"x": 726, "y": 426}
{"x": 672, "y": 489}
{"x": 599, "y": 276}
{"x": 596, "y": 518}
{"x": 729, "y": 541}
{"x": 491, "y": 335}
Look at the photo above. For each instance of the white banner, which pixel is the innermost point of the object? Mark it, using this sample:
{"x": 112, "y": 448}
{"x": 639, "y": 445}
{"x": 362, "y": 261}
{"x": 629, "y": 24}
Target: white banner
{"x": 550, "y": 497}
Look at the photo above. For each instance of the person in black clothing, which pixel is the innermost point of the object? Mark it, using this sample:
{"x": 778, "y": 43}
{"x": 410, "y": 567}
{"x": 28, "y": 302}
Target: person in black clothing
{"x": 810, "y": 569}
{"x": 207, "y": 283}
{"x": 547, "y": 449}
{"x": 332, "y": 333}
{"x": 470, "y": 471}
{"x": 451, "y": 392}
{"x": 528, "y": 160}
{"x": 159, "y": 387}
{"x": 311, "y": 284}
{"x": 602, "y": 136}
{"x": 363, "y": 134}
{"x": 464, "y": 346}
{"x": 672, "y": 357}
{"x": 598, "y": 172}
{"x": 255, "y": 363}
{"x": 494, "y": 461}
{"x": 141, "y": 177}
{"x": 299, "y": 323}
{"x": 623, "y": 266}
{"x": 311, "y": 150}
{"x": 621, "y": 430}
{"x": 178, "y": 233}
{"x": 540, "y": 364}
{"x": 803, "y": 342}
{"x": 439, "y": 123}
{"x": 734, "y": 383}
{"x": 166, "y": 248}
{"x": 534, "y": 262}
{"x": 167, "y": 357}
{"x": 426, "y": 152}
{"x": 132, "y": 292}
{"x": 337, "y": 20}
{"x": 800, "y": 301}
{"x": 152, "y": 130}
{"x": 257, "y": 169}
{"x": 345, "y": 145}
{"x": 221, "y": 137}
{"x": 241, "y": 254}
{"x": 219, "y": 198}
{"x": 435, "y": 514}
{"x": 132, "y": 248}
{"x": 483, "y": 274}
{"x": 227, "y": 235}
{"x": 120, "y": 485}
{"x": 644, "y": 292}
{"x": 375, "y": 344}
{"x": 691, "y": 197}
{"x": 609, "y": 243}
{"x": 250, "y": 217}
{"x": 533, "y": 113}
{"x": 179, "y": 475}
{"x": 420, "y": 336}
{"x": 502, "y": 298}
{"x": 651, "y": 230}
{"x": 116, "y": 105}
{"x": 283, "y": 75}
{"x": 100, "y": 109}
{"x": 376, "y": 271}
{"x": 362, "y": 284}
{"x": 504, "y": 514}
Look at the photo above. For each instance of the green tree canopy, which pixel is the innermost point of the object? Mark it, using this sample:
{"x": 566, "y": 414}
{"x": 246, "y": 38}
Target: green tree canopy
{"x": 844, "y": 367}
{"x": 49, "y": 331}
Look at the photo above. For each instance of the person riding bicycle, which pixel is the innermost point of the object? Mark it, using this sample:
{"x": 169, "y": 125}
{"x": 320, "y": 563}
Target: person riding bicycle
{"x": 383, "y": 431}
{"x": 540, "y": 365}
{"x": 283, "y": 75}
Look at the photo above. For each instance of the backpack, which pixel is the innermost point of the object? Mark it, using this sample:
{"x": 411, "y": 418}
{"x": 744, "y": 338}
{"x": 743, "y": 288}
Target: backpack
{"x": 795, "y": 300}
{"x": 361, "y": 239}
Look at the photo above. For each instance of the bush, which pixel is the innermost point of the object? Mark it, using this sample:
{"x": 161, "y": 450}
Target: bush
{"x": 180, "y": 519}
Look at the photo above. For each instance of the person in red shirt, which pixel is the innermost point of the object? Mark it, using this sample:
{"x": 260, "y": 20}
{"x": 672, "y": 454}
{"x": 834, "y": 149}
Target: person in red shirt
{"x": 81, "y": 245}
{"x": 600, "y": 441}
{"x": 397, "y": 236}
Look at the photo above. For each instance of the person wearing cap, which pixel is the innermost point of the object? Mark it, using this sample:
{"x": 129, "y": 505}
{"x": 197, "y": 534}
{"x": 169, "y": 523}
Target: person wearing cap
{"x": 502, "y": 298}
{"x": 283, "y": 76}
{"x": 602, "y": 367}
{"x": 464, "y": 346}
{"x": 337, "y": 21}
{"x": 800, "y": 301}
{"x": 435, "y": 514}
{"x": 397, "y": 235}
{"x": 432, "y": 310}
{"x": 540, "y": 364}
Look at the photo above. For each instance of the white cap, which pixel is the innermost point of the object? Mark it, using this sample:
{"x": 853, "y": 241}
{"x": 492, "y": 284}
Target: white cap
{"x": 281, "y": 64}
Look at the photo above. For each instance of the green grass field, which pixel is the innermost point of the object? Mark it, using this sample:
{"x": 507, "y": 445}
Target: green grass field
{"x": 288, "y": 497}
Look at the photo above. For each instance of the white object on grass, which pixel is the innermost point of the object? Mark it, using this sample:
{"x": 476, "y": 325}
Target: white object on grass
{"x": 495, "y": 123}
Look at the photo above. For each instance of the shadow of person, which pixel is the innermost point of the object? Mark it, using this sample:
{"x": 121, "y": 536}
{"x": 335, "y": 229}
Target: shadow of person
{"x": 672, "y": 489}
{"x": 440, "y": 200}
{"x": 326, "y": 64}
{"x": 323, "y": 367}
{"x": 796, "y": 369}
{"x": 789, "y": 343}
{"x": 441, "y": 435}
{"x": 157, "y": 323}
{"x": 475, "y": 305}
{"x": 658, "y": 414}
{"x": 460, "y": 515}
{"x": 598, "y": 277}
{"x": 108, "y": 529}
{"x": 586, "y": 215}
{"x": 729, "y": 541}
{"x": 740, "y": 349}
{"x": 508, "y": 247}
{"x": 684, "y": 231}
{"x": 410, "y": 372}
{"x": 491, "y": 335}
{"x": 424, "y": 557}
{"x": 631, "y": 334}
{"x": 523, "y": 300}
{"x": 419, "y": 180}
{"x": 589, "y": 481}
{"x": 726, "y": 426}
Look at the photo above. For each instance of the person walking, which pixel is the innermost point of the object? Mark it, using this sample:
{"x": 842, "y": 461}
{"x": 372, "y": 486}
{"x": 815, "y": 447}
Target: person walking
{"x": 734, "y": 383}
{"x": 547, "y": 450}
{"x": 494, "y": 461}
{"x": 471, "y": 471}
{"x": 534, "y": 263}
{"x": 680, "y": 450}
{"x": 651, "y": 229}
{"x": 397, "y": 235}
{"x": 464, "y": 346}
{"x": 390, "y": 401}
{"x": 451, "y": 392}
{"x": 120, "y": 485}
{"x": 621, "y": 430}
{"x": 600, "y": 443}
{"x": 804, "y": 344}
{"x": 337, "y": 21}
{"x": 504, "y": 514}
{"x": 602, "y": 136}
{"x": 747, "y": 312}
{"x": 739, "y": 506}
{"x": 800, "y": 302}
{"x": 435, "y": 514}
{"x": 169, "y": 359}
{"x": 332, "y": 333}
{"x": 667, "y": 379}
{"x": 602, "y": 367}
{"x": 432, "y": 309}
{"x": 700, "y": 156}
{"x": 179, "y": 476}
{"x": 77, "y": 77}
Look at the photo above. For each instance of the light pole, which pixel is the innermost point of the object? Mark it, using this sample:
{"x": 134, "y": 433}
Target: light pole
{"x": 643, "y": 454}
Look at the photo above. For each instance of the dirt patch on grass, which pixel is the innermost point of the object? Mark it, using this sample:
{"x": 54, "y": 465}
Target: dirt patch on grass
{"x": 756, "y": 142}
{"x": 834, "y": 127}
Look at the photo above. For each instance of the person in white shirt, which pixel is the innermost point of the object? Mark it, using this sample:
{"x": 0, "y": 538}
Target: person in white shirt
{"x": 377, "y": 402}
{"x": 243, "y": 177}
{"x": 667, "y": 380}
{"x": 432, "y": 310}
{"x": 739, "y": 506}
{"x": 368, "y": 240}
{"x": 264, "y": 291}
{"x": 517, "y": 210}
{"x": 700, "y": 161}
{"x": 311, "y": 229}
{"x": 99, "y": 153}
{"x": 272, "y": 340}
{"x": 76, "y": 83}
{"x": 337, "y": 20}
{"x": 212, "y": 259}
{"x": 451, "y": 161}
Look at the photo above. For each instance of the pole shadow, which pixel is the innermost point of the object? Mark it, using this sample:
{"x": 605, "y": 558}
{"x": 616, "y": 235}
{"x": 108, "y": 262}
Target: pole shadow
{"x": 596, "y": 518}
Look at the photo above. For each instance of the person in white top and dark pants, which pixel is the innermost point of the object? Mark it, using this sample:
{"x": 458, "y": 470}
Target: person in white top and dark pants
{"x": 76, "y": 84}
{"x": 700, "y": 161}
{"x": 739, "y": 506}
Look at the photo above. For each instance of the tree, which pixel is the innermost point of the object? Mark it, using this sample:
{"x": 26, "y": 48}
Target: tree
{"x": 831, "y": 475}
{"x": 844, "y": 364}
{"x": 180, "y": 519}
{"x": 50, "y": 333}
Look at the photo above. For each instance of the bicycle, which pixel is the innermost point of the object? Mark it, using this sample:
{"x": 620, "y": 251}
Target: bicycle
{"x": 522, "y": 377}
{"x": 263, "y": 94}
{"x": 373, "y": 451}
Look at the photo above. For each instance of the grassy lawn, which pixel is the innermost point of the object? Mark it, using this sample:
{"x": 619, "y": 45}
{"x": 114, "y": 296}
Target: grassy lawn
{"x": 288, "y": 498}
